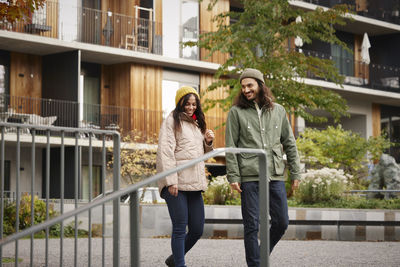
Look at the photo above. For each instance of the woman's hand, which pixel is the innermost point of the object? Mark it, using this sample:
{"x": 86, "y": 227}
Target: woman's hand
{"x": 209, "y": 136}
{"x": 173, "y": 190}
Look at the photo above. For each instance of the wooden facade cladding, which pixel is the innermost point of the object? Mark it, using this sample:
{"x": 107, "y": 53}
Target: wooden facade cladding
{"x": 137, "y": 88}
{"x": 206, "y": 25}
{"x": 25, "y": 75}
{"x": 376, "y": 119}
{"x": 215, "y": 117}
{"x": 158, "y": 16}
{"x": 25, "y": 82}
{"x": 51, "y": 19}
{"x": 361, "y": 70}
{"x": 146, "y": 92}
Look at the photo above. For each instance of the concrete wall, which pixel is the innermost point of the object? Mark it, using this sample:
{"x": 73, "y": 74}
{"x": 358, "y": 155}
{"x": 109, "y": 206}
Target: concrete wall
{"x": 25, "y": 168}
{"x": 155, "y": 222}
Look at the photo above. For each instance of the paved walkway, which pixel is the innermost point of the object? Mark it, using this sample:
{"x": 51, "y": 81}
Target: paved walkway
{"x": 221, "y": 253}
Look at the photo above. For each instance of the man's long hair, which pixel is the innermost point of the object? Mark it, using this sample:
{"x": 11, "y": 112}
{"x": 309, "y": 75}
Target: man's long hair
{"x": 180, "y": 108}
{"x": 265, "y": 98}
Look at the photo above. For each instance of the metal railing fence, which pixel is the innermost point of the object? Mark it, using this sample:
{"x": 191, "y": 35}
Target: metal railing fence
{"x": 384, "y": 10}
{"x": 61, "y": 134}
{"x": 64, "y": 21}
{"x": 134, "y": 208}
{"x": 358, "y": 73}
{"x": 49, "y": 112}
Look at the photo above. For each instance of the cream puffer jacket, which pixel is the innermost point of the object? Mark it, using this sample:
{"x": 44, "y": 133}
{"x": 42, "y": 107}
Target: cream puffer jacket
{"x": 177, "y": 148}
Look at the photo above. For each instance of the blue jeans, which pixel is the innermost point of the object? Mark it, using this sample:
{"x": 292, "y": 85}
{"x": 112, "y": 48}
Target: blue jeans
{"x": 250, "y": 212}
{"x": 187, "y": 209}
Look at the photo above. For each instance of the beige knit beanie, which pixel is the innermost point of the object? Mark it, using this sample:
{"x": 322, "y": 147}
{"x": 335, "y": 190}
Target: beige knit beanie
{"x": 251, "y": 73}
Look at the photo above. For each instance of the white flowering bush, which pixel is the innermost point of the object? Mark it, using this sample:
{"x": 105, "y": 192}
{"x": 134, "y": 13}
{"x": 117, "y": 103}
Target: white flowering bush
{"x": 219, "y": 192}
{"x": 322, "y": 185}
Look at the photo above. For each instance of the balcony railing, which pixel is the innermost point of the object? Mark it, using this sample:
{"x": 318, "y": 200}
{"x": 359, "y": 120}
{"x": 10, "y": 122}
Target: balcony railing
{"x": 65, "y": 22}
{"x": 386, "y": 10}
{"x": 48, "y": 112}
{"x": 358, "y": 73}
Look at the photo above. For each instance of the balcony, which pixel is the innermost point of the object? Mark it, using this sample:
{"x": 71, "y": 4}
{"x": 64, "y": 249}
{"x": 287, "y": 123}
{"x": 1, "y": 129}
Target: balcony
{"x": 357, "y": 73}
{"x": 385, "y": 10}
{"x": 50, "y": 112}
{"x": 86, "y": 25}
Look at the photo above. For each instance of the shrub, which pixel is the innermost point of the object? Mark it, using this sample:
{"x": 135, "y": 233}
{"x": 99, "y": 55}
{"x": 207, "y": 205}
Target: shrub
{"x": 219, "y": 192}
{"x": 25, "y": 213}
{"x": 340, "y": 149}
{"x": 322, "y": 185}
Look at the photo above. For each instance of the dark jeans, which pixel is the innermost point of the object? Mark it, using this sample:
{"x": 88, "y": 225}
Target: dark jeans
{"x": 250, "y": 212}
{"x": 187, "y": 209}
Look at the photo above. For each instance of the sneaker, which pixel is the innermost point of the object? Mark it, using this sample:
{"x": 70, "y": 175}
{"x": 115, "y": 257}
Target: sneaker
{"x": 170, "y": 261}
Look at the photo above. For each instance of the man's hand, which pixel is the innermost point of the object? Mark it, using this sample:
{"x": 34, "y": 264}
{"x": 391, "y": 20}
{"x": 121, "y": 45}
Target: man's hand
{"x": 236, "y": 186}
{"x": 295, "y": 185}
{"x": 173, "y": 190}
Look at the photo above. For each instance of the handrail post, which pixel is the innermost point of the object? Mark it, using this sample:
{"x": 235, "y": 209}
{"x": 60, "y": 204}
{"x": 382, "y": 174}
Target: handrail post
{"x": 264, "y": 210}
{"x": 116, "y": 207}
{"x": 134, "y": 228}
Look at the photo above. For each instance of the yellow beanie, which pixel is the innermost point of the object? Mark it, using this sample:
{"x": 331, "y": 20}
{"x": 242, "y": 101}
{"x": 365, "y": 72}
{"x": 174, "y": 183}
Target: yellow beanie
{"x": 184, "y": 90}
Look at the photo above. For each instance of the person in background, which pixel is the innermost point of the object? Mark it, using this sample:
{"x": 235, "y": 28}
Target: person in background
{"x": 183, "y": 137}
{"x": 255, "y": 121}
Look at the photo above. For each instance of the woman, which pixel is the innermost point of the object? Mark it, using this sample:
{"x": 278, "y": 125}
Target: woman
{"x": 183, "y": 137}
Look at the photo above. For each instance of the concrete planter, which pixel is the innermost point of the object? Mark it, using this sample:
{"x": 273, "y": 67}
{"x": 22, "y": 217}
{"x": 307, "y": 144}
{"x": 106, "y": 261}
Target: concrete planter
{"x": 155, "y": 222}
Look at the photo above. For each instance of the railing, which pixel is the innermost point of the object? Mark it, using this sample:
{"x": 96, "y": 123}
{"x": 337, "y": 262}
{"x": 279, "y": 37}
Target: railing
{"x": 134, "y": 205}
{"x": 358, "y": 73}
{"x": 386, "y": 10}
{"x": 59, "y": 131}
{"x": 47, "y": 112}
{"x": 71, "y": 23}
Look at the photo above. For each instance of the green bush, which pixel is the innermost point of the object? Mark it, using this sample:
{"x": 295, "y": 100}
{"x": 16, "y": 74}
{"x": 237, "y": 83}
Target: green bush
{"x": 340, "y": 149}
{"x": 322, "y": 185}
{"x": 25, "y": 213}
{"x": 219, "y": 192}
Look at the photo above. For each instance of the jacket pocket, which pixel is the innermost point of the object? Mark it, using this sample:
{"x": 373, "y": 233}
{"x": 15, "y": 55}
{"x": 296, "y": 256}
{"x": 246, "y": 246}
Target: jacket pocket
{"x": 279, "y": 164}
{"x": 248, "y": 164}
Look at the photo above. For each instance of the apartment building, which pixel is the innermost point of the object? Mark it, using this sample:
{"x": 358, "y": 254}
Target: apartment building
{"x": 108, "y": 64}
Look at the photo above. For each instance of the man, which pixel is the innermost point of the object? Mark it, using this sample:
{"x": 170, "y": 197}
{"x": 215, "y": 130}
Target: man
{"x": 255, "y": 121}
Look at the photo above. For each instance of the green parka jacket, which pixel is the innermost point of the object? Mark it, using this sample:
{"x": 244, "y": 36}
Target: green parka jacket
{"x": 270, "y": 131}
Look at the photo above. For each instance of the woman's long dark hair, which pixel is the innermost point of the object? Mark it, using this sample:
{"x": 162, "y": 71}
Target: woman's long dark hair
{"x": 265, "y": 96}
{"x": 180, "y": 108}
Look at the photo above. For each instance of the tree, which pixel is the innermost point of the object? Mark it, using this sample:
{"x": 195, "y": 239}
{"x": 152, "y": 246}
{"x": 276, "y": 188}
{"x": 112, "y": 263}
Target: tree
{"x": 14, "y": 10}
{"x": 257, "y": 39}
{"x": 137, "y": 156}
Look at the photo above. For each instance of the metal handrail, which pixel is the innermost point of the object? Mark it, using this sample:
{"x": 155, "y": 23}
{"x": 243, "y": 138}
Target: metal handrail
{"x": 62, "y": 130}
{"x": 134, "y": 204}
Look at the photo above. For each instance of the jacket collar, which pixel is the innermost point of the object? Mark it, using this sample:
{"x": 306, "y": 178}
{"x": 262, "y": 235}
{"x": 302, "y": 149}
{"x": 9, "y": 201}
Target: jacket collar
{"x": 185, "y": 117}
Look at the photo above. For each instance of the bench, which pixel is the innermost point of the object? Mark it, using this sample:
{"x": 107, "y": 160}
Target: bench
{"x": 337, "y": 223}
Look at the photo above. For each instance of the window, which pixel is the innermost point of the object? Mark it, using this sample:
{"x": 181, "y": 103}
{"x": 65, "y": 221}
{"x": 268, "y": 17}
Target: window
{"x": 343, "y": 60}
{"x": 68, "y": 20}
{"x": 39, "y": 16}
{"x": 189, "y": 27}
{"x": 7, "y": 178}
{"x": 91, "y": 93}
{"x": 96, "y": 181}
{"x": 172, "y": 81}
{"x": 390, "y": 125}
{"x": 4, "y": 79}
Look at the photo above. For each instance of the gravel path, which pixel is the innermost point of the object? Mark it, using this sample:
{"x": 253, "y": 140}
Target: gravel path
{"x": 218, "y": 253}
